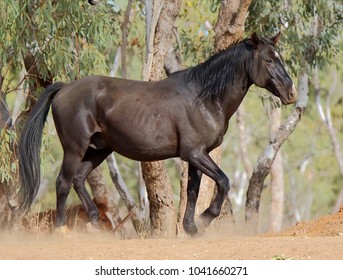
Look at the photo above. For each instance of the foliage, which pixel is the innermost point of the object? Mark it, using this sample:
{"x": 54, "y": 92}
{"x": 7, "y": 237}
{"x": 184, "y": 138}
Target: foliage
{"x": 69, "y": 39}
{"x": 194, "y": 25}
{"x": 297, "y": 21}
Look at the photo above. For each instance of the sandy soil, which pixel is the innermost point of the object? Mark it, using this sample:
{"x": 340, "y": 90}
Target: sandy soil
{"x": 321, "y": 239}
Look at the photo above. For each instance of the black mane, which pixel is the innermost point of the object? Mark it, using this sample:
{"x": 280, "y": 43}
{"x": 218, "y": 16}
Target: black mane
{"x": 217, "y": 74}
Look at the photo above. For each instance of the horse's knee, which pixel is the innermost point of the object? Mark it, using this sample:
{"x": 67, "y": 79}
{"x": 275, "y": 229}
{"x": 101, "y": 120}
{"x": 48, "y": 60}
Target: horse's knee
{"x": 62, "y": 186}
{"x": 224, "y": 185}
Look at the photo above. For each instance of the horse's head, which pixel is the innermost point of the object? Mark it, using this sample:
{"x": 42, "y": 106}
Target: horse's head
{"x": 268, "y": 71}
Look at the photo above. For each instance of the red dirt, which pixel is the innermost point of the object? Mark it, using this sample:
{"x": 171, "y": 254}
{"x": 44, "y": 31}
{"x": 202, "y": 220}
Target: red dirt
{"x": 321, "y": 239}
{"x": 330, "y": 225}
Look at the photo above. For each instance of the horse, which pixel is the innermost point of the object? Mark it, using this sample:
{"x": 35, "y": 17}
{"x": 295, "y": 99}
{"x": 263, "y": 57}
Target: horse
{"x": 184, "y": 115}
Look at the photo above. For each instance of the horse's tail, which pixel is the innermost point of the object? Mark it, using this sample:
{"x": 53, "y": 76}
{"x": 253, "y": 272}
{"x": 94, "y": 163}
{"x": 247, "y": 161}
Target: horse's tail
{"x": 29, "y": 147}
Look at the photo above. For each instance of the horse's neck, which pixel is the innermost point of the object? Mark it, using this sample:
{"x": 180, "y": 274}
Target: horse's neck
{"x": 234, "y": 96}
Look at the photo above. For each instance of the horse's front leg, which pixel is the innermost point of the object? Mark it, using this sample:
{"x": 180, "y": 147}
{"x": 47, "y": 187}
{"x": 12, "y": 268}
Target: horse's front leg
{"x": 205, "y": 164}
{"x": 194, "y": 178}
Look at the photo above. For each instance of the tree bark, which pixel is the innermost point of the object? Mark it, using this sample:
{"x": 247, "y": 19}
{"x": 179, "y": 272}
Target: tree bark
{"x": 207, "y": 187}
{"x": 137, "y": 211}
{"x": 124, "y": 31}
{"x": 229, "y": 28}
{"x": 243, "y": 140}
{"x": 104, "y": 196}
{"x": 159, "y": 36}
{"x": 183, "y": 198}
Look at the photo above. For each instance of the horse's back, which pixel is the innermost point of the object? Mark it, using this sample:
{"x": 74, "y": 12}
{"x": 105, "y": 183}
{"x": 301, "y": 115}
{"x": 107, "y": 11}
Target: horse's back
{"x": 136, "y": 119}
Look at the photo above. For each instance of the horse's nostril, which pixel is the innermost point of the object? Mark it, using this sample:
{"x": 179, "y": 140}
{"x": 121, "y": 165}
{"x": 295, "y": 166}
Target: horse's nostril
{"x": 293, "y": 94}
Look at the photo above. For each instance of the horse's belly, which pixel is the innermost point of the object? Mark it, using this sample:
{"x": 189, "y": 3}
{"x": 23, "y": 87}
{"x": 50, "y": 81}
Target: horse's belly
{"x": 143, "y": 145}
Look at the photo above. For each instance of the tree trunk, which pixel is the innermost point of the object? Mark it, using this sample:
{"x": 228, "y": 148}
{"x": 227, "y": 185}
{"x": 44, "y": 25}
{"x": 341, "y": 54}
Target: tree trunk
{"x": 136, "y": 211}
{"x": 243, "y": 140}
{"x": 105, "y": 196}
{"x": 207, "y": 187}
{"x": 229, "y": 28}
{"x": 276, "y": 172}
{"x": 326, "y": 119}
{"x": 160, "y": 24}
{"x": 124, "y": 31}
{"x": 7, "y": 205}
{"x": 183, "y": 198}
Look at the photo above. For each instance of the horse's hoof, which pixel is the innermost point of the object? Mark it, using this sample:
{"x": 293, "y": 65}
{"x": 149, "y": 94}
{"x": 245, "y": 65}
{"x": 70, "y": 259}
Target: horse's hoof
{"x": 190, "y": 229}
{"x": 92, "y": 228}
{"x": 62, "y": 231}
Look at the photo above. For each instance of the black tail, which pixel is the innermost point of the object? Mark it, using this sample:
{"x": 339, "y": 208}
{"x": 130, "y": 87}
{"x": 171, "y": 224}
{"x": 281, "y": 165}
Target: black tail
{"x": 29, "y": 147}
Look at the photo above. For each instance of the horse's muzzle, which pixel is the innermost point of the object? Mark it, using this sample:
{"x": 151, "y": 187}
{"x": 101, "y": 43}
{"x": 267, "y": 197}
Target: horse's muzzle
{"x": 292, "y": 95}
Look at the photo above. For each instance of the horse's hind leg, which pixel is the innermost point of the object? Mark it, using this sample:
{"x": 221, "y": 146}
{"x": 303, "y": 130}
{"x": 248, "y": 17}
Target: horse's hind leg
{"x": 90, "y": 161}
{"x": 63, "y": 184}
{"x": 194, "y": 178}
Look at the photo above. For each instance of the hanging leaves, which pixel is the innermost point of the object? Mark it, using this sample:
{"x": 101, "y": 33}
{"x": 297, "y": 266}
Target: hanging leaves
{"x": 60, "y": 34}
{"x": 295, "y": 19}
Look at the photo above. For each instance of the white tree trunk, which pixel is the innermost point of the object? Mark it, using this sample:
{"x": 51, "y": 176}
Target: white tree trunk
{"x": 325, "y": 116}
{"x": 276, "y": 172}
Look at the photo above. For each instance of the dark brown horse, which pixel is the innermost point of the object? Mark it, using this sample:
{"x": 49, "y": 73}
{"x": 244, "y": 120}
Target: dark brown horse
{"x": 185, "y": 115}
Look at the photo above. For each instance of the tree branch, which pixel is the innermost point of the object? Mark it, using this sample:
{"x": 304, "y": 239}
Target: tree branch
{"x": 265, "y": 161}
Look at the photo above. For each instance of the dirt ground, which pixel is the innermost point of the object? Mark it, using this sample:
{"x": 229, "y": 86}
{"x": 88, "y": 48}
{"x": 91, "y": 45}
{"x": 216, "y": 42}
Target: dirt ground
{"x": 320, "y": 239}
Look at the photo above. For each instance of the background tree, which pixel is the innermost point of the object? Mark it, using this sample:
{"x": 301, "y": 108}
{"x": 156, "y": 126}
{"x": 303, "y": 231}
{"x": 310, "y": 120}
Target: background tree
{"x": 159, "y": 36}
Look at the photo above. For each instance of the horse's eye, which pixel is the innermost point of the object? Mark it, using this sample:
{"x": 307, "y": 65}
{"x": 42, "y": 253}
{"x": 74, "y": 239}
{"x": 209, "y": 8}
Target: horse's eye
{"x": 269, "y": 60}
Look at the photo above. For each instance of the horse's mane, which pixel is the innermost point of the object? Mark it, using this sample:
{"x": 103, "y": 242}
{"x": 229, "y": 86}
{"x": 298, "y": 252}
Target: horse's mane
{"x": 217, "y": 74}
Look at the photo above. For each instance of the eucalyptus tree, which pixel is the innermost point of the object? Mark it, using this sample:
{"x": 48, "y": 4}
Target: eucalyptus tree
{"x": 41, "y": 42}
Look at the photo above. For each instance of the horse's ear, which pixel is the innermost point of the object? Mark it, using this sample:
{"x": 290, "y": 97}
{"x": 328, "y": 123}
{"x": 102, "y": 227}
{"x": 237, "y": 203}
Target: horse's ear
{"x": 254, "y": 40}
{"x": 93, "y": 2}
{"x": 276, "y": 38}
